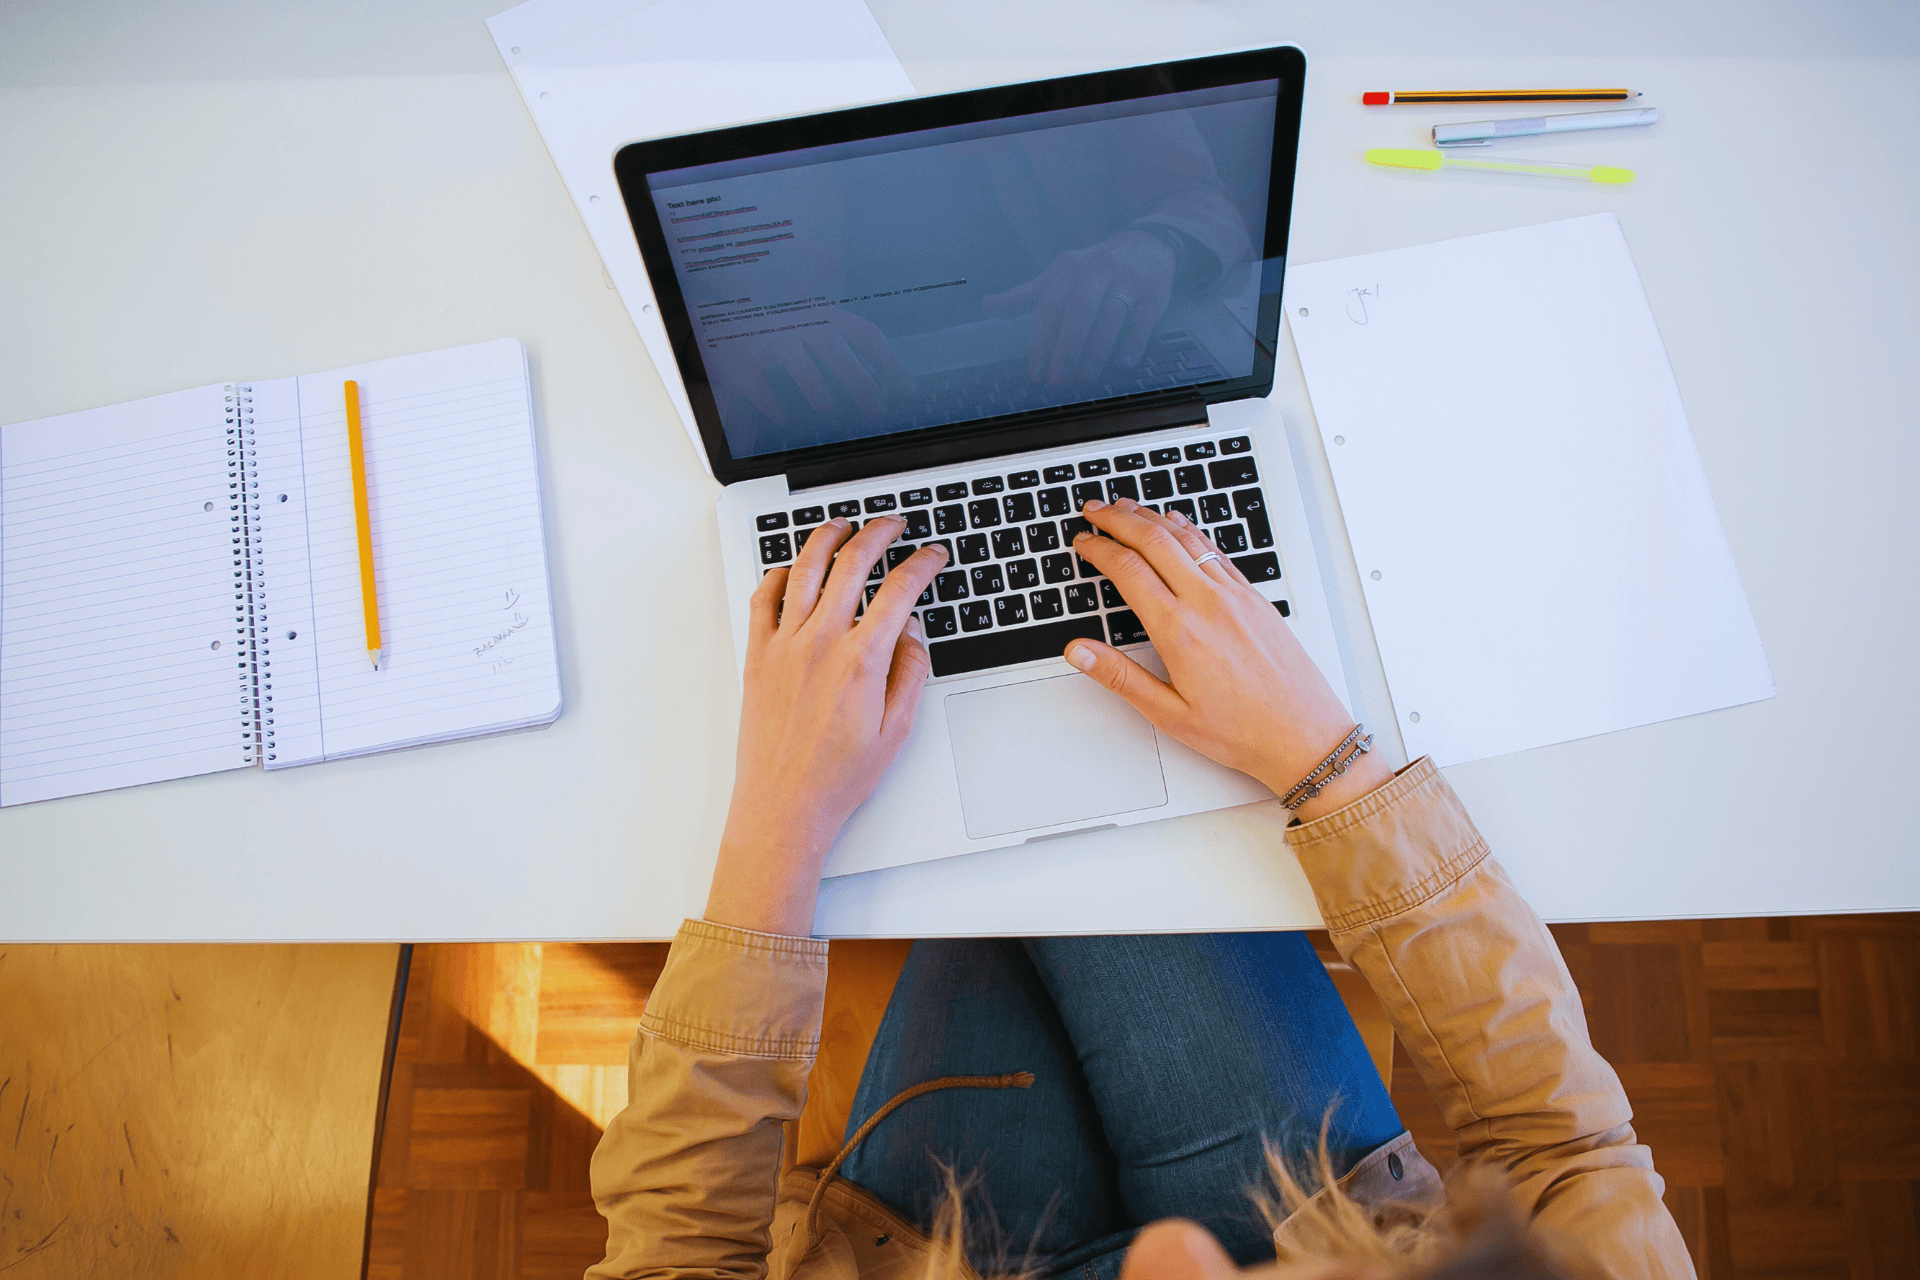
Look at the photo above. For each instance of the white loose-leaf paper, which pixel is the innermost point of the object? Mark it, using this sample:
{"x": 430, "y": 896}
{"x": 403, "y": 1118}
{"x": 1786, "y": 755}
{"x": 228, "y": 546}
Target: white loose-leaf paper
{"x": 1539, "y": 548}
{"x": 598, "y": 74}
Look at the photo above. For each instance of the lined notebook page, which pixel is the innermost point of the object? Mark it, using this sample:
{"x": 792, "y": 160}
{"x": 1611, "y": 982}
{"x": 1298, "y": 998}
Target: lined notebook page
{"x": 460, "y": 558}
{"x": 118, "y": 639}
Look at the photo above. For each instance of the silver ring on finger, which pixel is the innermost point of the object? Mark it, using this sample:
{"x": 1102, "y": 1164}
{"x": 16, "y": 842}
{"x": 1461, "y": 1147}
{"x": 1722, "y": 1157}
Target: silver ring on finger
{"x": 1200, "y": 560}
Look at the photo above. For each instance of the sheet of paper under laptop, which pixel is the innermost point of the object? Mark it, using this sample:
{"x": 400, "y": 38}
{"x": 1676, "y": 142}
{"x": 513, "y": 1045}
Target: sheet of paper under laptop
{"x": 1534, "y": 531}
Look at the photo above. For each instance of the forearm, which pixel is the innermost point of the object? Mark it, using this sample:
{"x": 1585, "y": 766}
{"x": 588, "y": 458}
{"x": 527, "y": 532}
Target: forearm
{"x": 686, "y": 1173}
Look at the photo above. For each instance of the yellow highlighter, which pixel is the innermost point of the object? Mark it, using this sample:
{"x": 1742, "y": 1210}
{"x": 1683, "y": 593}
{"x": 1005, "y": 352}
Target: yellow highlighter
{"x": 1400, "y": 159}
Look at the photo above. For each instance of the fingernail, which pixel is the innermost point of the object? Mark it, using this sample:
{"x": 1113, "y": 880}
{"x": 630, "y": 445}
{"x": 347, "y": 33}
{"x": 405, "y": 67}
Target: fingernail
{"x": 1081, "y": 656}
{"x": 1127, "y": 504}
{"x": 914, "y": 629}
{"x": 1093, "y": 504}
{"x": 838, "y": 522}
{"x": 1178, "y": 518}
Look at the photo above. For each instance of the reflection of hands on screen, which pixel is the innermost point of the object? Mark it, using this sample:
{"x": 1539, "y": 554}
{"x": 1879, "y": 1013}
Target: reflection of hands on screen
{"x": 837, "y": 361}
{"x": 1092, "y": 305}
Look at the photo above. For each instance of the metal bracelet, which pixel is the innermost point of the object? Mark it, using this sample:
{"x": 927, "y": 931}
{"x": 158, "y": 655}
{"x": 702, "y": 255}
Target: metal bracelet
{"x": 1328, "y": 769}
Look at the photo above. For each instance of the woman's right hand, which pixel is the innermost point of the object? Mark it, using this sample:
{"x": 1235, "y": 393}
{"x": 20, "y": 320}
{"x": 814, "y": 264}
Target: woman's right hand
{"x": 1240, "y": 689}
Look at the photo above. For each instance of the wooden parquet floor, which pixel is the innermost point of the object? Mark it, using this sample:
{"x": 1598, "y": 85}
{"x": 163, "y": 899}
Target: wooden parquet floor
{"x": 1774, "y": 1068}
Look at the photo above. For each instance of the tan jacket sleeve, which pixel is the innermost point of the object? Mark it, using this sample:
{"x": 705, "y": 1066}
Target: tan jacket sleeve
{"x": 686, "y": 1175}
{"x": 1479, "y": 994}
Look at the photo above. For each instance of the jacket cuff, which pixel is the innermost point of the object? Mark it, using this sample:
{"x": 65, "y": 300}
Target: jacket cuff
{"x": 740, "y": 993}
{"x": 1389, "y": 851}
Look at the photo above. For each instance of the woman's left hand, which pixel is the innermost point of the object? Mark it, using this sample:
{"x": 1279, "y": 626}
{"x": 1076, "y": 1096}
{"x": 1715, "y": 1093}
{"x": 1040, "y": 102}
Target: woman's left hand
{"x": 828, "y": 701}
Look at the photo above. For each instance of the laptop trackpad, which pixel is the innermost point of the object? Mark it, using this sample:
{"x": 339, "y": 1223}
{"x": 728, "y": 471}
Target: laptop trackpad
{"x": 1050, "y": 751}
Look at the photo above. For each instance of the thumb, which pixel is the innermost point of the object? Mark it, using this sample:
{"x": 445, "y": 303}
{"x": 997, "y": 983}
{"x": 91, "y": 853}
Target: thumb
{"x": 1146, "y": 692}
{"x": 905, "y": 677}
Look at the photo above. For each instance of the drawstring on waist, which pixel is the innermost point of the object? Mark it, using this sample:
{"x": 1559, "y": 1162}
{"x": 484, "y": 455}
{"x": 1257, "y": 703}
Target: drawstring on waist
{"x": 1015, "y": 1080}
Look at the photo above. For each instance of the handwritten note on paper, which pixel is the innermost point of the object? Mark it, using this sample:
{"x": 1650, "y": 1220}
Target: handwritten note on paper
{"x": 460, "y": 557}
{"x": 1512, "y": 457}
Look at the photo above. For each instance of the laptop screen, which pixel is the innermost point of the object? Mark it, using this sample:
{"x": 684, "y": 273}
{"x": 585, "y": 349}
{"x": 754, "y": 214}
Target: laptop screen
{"x": 927, "y": 280}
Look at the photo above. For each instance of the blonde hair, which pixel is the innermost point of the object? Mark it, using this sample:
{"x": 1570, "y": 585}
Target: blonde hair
{"x": 1476, "y": 1233}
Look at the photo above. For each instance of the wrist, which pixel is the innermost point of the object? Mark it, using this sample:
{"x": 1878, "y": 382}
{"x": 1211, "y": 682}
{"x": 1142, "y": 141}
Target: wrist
{"x": 1368, "y": 773}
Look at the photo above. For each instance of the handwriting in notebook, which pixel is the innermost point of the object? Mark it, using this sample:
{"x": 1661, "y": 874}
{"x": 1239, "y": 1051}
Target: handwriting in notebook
{"x": 1357, "y": 302}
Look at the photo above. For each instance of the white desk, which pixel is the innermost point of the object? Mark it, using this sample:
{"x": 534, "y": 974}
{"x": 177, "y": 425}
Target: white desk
{"x": 199, "y": 192}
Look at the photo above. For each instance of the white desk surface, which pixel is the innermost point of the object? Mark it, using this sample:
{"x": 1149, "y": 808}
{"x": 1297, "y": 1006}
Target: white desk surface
{"x": 202, "y": 191}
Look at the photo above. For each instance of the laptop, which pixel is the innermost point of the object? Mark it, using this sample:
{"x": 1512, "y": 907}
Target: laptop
{"x": 977, "y": 311}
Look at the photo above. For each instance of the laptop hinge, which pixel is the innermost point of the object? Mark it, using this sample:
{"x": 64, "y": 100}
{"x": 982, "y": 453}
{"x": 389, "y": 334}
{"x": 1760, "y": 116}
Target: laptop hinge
{"x": 1025, "y": 438}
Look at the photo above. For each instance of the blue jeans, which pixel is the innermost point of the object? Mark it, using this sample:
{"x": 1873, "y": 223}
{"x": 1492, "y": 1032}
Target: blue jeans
{"x": 1161, "y": 1065}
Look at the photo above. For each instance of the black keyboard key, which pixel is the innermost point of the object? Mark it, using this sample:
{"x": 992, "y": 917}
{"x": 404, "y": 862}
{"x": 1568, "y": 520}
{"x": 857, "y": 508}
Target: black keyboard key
{"x": 1023, "y": 479}
{"x": 1156, "y": 485}
{"x": 1010, "y": 611}
{"x": 989, "y": 484}
{"x": 1261, "y": 566}
{"x": 985, "y": 579}
{"x": 1046, "y": 604}
{"x": 1044, "y": 536}
{"x": 809, "y": 515}
{"x": 1231, "y": 472}
{"x": 1250, "y": 506}
{"x": 778, "y": 520}
{"x": 1185, "y": 507}
{"x": 975, "y": 615}
{"x": 1236, "y": 444}
{"x": 1022, "y": 574}
{"x": 879, "y": 569}
{"x": 1057, "y": 568}
{"x": 1286, "y": 610}
{"x": 973, "y": 548}
{"x": 880, "y": 502}
{"x": 1230, "y": 538}
{"x": 1164, "y": 457}
{"x": 1086, "y": 568}
{"x": 939, "y": 622}
{"x": 897, "y": 556}
{"x": 1054, "y": 475}
{"x": 1085, "y": 493}
{"x": 1073, "y": 526}
{"x": 917, "y": 498}
{"x": 1054, "y": 502}
{"x": 776, "y": 548}
{"x": 1006, "y": 542}
{"x": 1190, "y": 479}
{"x": 1215, "y": 507}
{"x": 926, "y": 595}
{"x": 1003, "y": 648}
{"x": 1124, "y": 628}
{"x": 1122, "y": 487}
{"x": 948, "y": 492}
{"x": 1019, "y": 507}
{"x": 919, "y": 526}
{"x": 951, "y": 519}
{"x": 1202, "y": 450}
{"x": 848, "y": 509}
{"x": 984, "y": 513}
{"x": 1083, "y": 597}
{"x": 800, "y": 539}
{"x": 1095, "y": 467}
{"x": 1110, "y": 595}
{"x": 1130, "y": 462}
{"x": 951, "y": 585}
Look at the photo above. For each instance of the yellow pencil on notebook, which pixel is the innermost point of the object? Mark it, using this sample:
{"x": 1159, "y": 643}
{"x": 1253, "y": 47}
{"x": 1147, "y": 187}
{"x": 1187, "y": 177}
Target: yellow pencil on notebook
{"x": 363, "y": 526}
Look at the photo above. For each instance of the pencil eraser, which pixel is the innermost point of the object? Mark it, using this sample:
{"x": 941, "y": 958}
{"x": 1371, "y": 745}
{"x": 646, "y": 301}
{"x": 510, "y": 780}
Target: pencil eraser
{"x": 1376, "y": 99}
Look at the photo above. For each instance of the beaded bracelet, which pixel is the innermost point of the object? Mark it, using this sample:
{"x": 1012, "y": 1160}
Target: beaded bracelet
{"x": 1330, "y": 768}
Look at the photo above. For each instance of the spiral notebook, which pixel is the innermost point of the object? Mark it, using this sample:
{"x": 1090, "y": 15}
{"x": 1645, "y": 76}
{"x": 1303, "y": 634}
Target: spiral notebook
{"x": 179, "y": 576}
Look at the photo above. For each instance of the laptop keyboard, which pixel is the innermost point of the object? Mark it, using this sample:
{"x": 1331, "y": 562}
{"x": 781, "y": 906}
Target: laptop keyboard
{"x": 1013, "y": 591}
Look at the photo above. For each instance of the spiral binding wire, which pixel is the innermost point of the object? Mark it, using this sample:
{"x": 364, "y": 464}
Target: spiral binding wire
{"x": 249, "y": 577}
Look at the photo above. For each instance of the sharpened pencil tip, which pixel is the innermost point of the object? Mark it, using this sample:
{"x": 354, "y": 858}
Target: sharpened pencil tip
{"x": 374, "y": 656}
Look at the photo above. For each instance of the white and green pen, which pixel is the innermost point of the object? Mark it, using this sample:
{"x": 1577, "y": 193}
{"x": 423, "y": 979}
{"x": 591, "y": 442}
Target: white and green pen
{"x": 1403, "y": 159}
